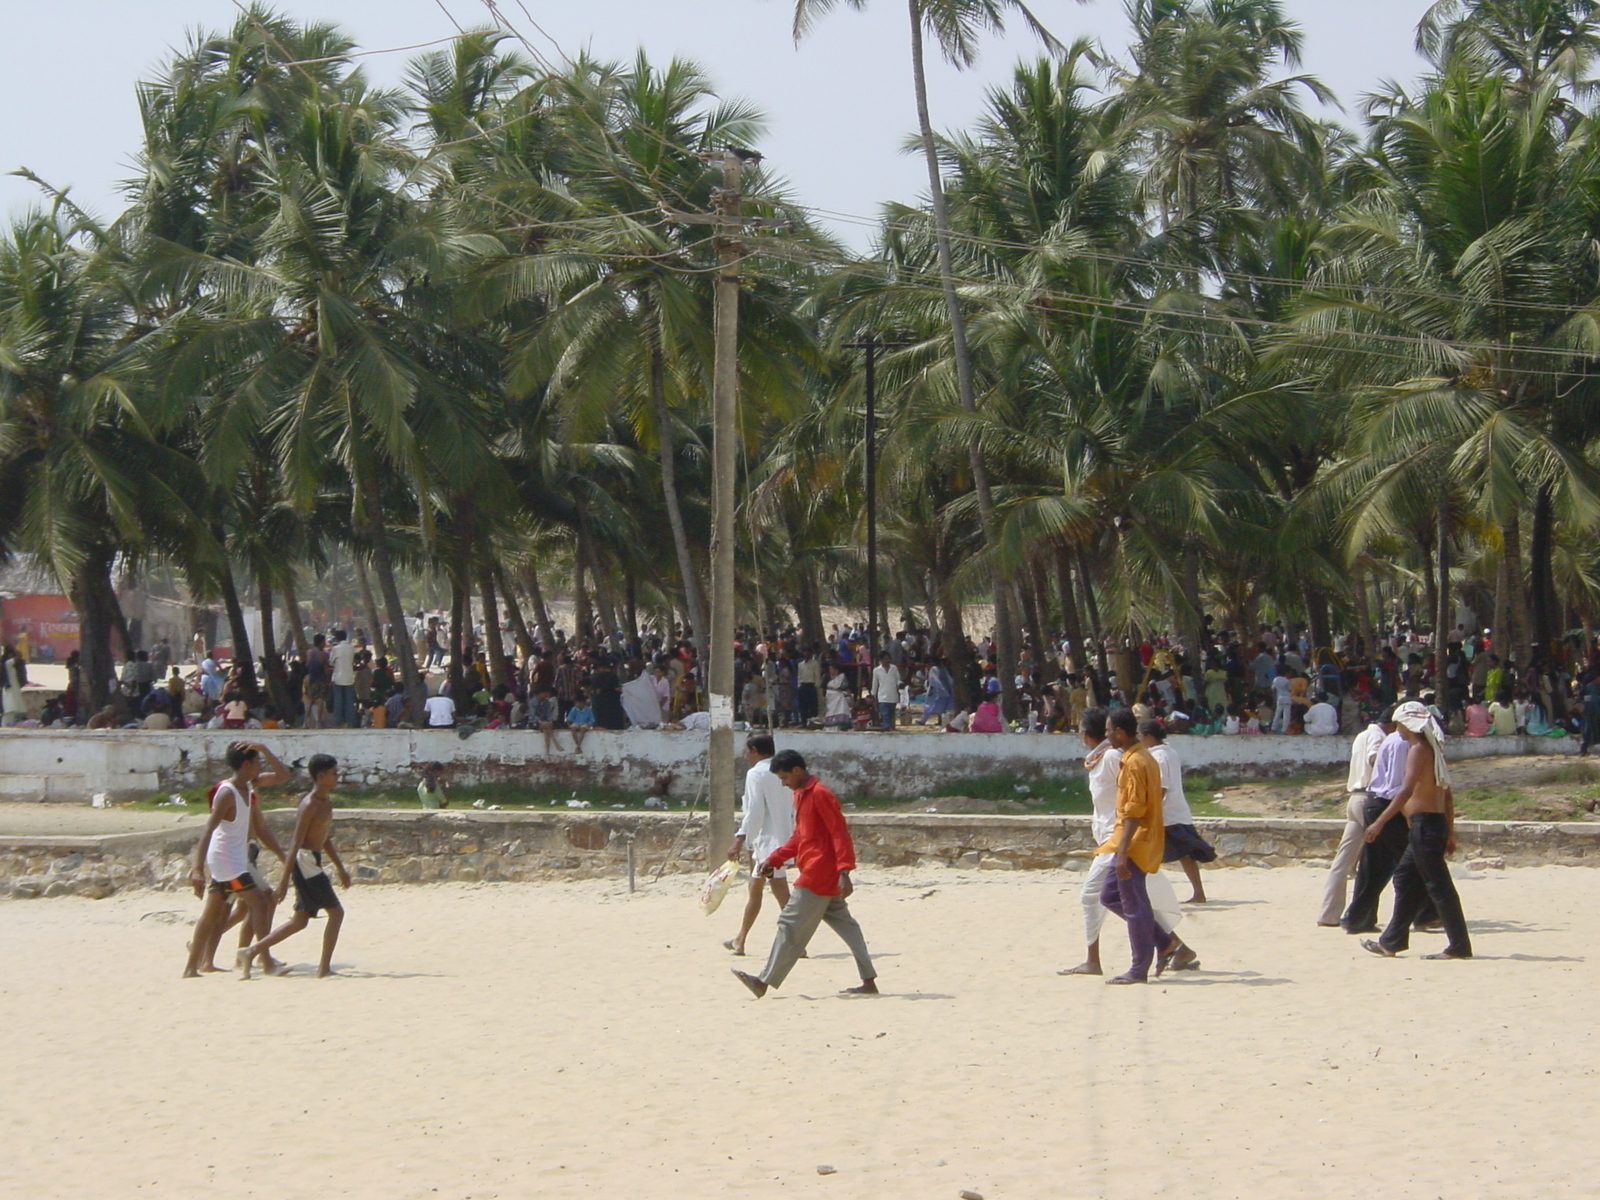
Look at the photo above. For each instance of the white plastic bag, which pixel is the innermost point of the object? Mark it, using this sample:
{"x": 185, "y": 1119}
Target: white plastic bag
{"x": 716, "y": 886}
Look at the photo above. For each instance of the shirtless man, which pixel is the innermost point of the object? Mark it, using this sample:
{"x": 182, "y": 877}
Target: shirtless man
{"x": 1423, "y": 874}
{"x": 313, "y": 892}
{"x": 224, "y": 850}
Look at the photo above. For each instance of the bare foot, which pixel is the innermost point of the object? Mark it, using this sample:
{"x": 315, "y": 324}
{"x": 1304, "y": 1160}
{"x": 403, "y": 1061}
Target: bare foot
{"x": 275, "y": 966}
{"x": 190, "y": 973}
{"x": 211, "y": 969}
{"x": 869, "y": 987}
{"x": 1196, "y": 900}
{"x": 324, "y": 972}
{"x": 1444, "y": 954}
{"x": 1127, "y": 979}
{"x": 1087, "y": 968}
{"x": 758, "y": 988}
{"x": 241, "y": 961}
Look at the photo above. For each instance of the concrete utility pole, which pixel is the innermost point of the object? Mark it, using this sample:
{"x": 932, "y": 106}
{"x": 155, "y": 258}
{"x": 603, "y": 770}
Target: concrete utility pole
{"x": 718, "y": 663}
{"x": 724, "y": 440}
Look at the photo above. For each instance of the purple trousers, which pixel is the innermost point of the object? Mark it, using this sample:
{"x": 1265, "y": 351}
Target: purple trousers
{"x": 1130, "y": 899}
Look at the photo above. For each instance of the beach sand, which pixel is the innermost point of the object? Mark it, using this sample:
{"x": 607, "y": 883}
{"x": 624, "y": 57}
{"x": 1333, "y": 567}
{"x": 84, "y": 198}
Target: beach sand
{"x": 568, "y": 1039}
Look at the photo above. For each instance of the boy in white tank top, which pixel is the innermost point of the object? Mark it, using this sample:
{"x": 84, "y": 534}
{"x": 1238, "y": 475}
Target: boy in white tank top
{"x": 224, "y": 848}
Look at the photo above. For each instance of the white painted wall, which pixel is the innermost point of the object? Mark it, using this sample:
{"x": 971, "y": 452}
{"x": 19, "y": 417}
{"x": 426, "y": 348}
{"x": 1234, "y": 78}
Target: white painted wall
{"x": 886, "y": 764}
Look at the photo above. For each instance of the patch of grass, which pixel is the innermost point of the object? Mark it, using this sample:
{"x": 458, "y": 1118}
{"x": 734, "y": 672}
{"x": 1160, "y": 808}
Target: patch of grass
{"x": 1568, "y": 773}
{"x": 509, "y": 796}
{"x": 1204, "y": 804}
{"x": 1068, "y": 797}
{"x": 1494, "y": 804}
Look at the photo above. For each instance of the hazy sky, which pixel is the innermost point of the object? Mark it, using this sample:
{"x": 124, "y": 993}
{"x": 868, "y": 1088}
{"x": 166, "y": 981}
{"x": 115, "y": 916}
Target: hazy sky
{"x": 839, "y": 104}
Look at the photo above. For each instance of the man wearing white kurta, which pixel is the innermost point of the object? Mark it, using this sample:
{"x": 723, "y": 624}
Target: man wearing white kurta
{"x": 1363, "y": 756}
{"x": 1103, "y": 762}
{"x": 886, "y": 691}
{"x": 768, "y": 823}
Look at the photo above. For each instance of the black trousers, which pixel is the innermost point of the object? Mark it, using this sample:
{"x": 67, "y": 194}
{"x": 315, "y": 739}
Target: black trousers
{"x": 1423, "y": 876}
{"x": 1376, "y": 867}
{"x": 808, "y": 701}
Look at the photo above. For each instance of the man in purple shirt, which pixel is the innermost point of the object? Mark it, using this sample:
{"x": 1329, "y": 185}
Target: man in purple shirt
{"x": 1380, "y": 856}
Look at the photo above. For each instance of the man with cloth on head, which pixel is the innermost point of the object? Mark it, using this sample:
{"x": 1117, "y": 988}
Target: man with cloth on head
{"x": 768, "y": 823}
{"x": 1381, "y": 855}
{"x": 1424, "y": 872}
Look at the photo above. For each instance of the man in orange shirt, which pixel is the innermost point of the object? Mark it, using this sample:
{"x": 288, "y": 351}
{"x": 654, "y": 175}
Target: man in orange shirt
{"x": 821, "y": 847}
{"x": 1137, "y": 841}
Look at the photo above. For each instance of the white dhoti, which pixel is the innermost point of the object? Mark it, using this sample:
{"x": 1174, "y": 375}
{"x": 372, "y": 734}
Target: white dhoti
{"x": 1163, "y": 900}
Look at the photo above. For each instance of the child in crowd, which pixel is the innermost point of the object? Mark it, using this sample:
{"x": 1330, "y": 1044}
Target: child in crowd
{"x": 434, "y": 789}
{"x": 580, "y": 719}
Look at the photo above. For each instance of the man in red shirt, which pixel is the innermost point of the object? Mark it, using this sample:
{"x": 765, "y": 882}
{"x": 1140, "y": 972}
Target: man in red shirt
{"x": 822, "y": 849}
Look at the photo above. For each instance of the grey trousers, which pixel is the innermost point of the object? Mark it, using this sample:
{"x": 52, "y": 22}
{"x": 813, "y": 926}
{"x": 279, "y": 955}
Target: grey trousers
{"x": 1344, "y": 860}
{"x": 799, "y": 920}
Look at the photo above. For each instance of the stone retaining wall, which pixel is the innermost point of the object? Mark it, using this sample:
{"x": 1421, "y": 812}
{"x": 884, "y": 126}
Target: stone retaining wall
{"x": 58, "y": 765}
{"x": 415, "y": 847}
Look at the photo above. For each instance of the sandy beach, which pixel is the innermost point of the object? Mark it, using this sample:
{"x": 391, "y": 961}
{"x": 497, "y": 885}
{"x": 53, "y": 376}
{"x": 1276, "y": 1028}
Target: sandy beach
{"x": 572, "y": 1040}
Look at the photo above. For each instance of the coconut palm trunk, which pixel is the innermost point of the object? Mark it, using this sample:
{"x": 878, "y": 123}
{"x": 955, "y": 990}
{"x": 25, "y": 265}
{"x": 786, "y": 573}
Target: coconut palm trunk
{"x": 90, "y": 585}
{"x": 291, "y": 601}
{"x": 367, "y": 516}
{"x": 541, "y": 612}
{"x": 1005, "y": 631}
{"x": 693, "y": 597}
{"x": 277, "y": 678}
{"x": 519, "y": 625}
{"x": 369, "y": 605}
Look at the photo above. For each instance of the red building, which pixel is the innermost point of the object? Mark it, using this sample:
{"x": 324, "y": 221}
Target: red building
{"x": 34, "y": 614}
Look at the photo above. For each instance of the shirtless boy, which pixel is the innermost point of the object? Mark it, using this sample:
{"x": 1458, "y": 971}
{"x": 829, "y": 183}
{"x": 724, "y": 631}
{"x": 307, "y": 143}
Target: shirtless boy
{"x": 224, "y": 850}
{"x": 313, "y": 891}
{"x": 1423, "y": 873}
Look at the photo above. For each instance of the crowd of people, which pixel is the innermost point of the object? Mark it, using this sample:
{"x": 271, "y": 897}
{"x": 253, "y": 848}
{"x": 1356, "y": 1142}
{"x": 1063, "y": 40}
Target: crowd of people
{"x": 1272, "y": 682}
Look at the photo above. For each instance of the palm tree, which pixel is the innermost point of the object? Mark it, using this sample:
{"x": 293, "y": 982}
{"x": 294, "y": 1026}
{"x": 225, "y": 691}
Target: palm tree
{"x": 1470, "y": 266}
{"x": 955, "y": 25}
{"x": 78, "y": 469}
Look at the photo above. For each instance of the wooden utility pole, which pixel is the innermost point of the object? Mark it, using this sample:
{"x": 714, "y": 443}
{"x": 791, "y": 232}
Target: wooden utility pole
{"x": 872, "y": 343}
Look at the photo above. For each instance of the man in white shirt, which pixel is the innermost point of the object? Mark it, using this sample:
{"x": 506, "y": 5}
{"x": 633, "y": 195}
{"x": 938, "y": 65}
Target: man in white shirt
{"x": 1102, "y": 763}
{"x": 1322, "y": 719}
{"x": 1282, "y": 704}
{"x": 342, "y": 675}
{"x": 441, "y": 712}
{"x": 768, "y": 823}
{"x": 1184, "y": 845}
{"x": 886, "y": 691}
{"x": 1363, "y": 755}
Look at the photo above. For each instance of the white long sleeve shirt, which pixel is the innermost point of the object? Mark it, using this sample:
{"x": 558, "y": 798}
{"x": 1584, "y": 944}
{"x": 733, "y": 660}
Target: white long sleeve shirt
{"x": 1103, "y": 789}
{"x": 768, "y": 820}
{"x": 1363, "y": 754}
{"x": 886, "y": 685}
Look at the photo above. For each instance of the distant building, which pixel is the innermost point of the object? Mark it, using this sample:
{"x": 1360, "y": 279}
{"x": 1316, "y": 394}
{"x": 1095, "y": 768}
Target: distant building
{"x": 34, "y": 615}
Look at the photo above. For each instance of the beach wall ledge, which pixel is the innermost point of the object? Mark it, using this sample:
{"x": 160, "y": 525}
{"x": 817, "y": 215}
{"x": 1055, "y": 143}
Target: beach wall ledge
{"x": 491, "y": 847}
{"x": 57, "y": 765}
